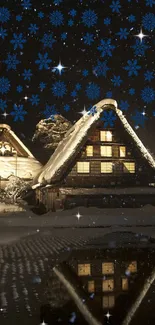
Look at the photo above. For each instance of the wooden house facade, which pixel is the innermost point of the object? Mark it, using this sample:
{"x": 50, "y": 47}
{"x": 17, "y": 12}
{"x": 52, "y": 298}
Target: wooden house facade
{"x": 15, "y": 157}
{"x": 92, "y": 159}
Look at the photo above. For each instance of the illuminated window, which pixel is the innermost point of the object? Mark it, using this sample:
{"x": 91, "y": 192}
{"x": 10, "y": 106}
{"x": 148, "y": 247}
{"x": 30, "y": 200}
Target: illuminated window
{"x": 122, "y": 151}
{"x": 129, "y": 167}
{"x": 89, "y": 151}
{"x": 125, "y": 284}
{"x": 84, "y": 269}
{"x": 108, "y": 285}
{"x": 106, "y": 167}
{"x": 107, "y": 268}
{"x": 108, "y": 301}
{"x": 106, "y": 151}
{"x": 106, "y": 136}
{"x": 83, "y": 167}
{"x": 91, "y": 286}
{"x": 132, "y": 268}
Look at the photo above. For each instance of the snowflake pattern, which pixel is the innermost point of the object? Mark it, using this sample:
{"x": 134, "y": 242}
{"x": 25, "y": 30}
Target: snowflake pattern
{"x": 93, "y": 91}
{"x": 106, "y": 47}
{"x": 132, "y": 68}
{"x": 148, "y": 95}
{"x": 101, "y": 68}
{"x": 139, "y": 118}
{"x": 18, "y": 113}
{"x": 43, "y": 61}
{"x": 11, "y": 61}
{"x": 4, "y": 14}
{"x": 89, "y": 18}
{"x": 59, "y": 89}
{"x": 108, "y": 118}
{"x": 56, "y": 18}
{"x": 48, "y": 40}
{"x": 4, "y": 85}
{"x": 18, "y": 41}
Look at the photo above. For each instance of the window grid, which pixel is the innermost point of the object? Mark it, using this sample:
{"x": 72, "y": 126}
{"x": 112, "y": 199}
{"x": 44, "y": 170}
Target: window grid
{"x": 129, "y": 167}
{"x": 108, "y": 268}
{"x": 89, "y": 151}
{"x": 108, "y": 285}
{"x": 106, "y": 136}
{"x": 84, "y": 269}
{"x": 83, "y": 167}
{"x": 91, "y": 286}
{"x": 108, "y": 301}
{"x": 122, "y": 151}
{"x": 106, "y": 167}
{"x": 106, "y": 151}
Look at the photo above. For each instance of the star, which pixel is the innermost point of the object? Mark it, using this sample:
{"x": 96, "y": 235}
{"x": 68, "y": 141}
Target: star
{"x": 83, "y": 112}
{"x": 143, "y": 113}
{"x": 108, "y": 315}
{"x": 38, "y": 230}
{"x": 59, "y": 67}
{"x": 26, "y": 98}
{"x": 1, "y": 309}
{"x": 5, "y": 114}
{"x": 43, "y": 323}
{"x": 78, "y": 215}
{"x": 141, "y": 35}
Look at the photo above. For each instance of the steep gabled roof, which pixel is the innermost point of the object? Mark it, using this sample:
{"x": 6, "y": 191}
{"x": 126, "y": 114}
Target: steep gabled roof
{"x": 14, "y": 140}
{"x": 75, "y": 138}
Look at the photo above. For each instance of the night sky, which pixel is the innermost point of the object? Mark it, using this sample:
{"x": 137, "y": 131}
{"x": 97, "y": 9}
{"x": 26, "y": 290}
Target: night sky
{"x": 95, "y": 41}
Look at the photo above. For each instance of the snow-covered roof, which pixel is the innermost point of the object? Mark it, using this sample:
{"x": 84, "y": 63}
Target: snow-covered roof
{"x": 73, "y": 140}
{"x": 17, "y": 140}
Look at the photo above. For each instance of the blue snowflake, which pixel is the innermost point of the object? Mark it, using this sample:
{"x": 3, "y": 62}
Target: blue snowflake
{"x": 89, "y": 18}
{"x": 35, "y": 100}
{"x": 124, "y": 105}
{"x": 139, "y": 118}
{"x": 41, "y": 15}
{"x": 26, "y": 4}
{"x": 27, "y": 74}
{"x": 57, "y": 2}
{"x": 148, "y": 21}
{"x": 77, "y": 86}
{"x": 92, "y": 111}
{"x": 140, "y": 48}
{"x": 63, "y": 36}
{"x": 56, "y": 18}
{"x": 115, "y": 6}
{"x": 48, "y": 40}
{"x": 132, "y": 68}
{"x": 107, "y": 21}
{"x": 72, "y": 12}
{"x": 70, "y": 22}
{"x": 109, "y": 94}
{"x": 18, "y": 41}
{"x": 19, "y": 88}
{"x": 150, "y": 3}
{"x": 33, "y": 28}
{"x": 18, "y": 113}
{"x": 3, "y": 32}
{"x": 74, "y": 93}
{"x": 148, "y": 95}
{"x": 149, "y": 75}
{"x": 106, "y": 47}
{"x": 50, "y": 111}
{"x": 116, "y": 80}
{"x": 3, "y": 104}
{"x": 19, "y": 18}
{"x": 88, "y": 38}
{"x": 131, "y": 91}
{"x": 85, "y": 72}
{"x": 11, "y": 61}
{"x": 108, "y": 117}
{"x": 59, "y": 89}
{"x": 42, "y": 86}
{"x": 101, "y": 68}
{"x": 66, "y": 108}
{"x": 93, "y": 91}
{"x": 131, "y": 18}
{"x": 4, "y": 85}
{"x": 43, "y": 61}
{"x": 4, "y": 14}
{"x": 123, "y": 33}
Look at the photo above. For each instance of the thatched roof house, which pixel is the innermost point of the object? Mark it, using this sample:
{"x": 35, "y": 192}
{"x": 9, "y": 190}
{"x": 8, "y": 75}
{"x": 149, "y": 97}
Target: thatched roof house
{"x": 75, "y": 139}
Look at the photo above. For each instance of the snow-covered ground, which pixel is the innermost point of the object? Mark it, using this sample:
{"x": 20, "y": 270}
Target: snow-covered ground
{"x": 88, "y": 217}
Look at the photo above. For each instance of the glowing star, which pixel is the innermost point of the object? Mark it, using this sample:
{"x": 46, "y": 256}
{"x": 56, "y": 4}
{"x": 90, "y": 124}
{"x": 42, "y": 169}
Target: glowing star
{"x": 5, "y": 114}
{"x": 78, "y": 215}
{"x": 108, "y": 315}
{"x": 143, "y": 113}
{"x": 141, "y": 35}
{"x": 83, "y": 112}
{"x": 26, "y": 98}
{"x": 43, "y": 323}
{"x": 59, "y": 67}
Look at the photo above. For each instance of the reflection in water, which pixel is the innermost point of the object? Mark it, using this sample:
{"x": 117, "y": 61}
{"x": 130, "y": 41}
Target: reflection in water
{"x": 106, "y": 281}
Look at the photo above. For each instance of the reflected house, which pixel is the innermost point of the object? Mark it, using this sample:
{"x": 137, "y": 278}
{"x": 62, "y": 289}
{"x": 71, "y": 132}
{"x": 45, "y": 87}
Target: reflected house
{"x": 94, "y": 162}
{"x": 15, "y": 157}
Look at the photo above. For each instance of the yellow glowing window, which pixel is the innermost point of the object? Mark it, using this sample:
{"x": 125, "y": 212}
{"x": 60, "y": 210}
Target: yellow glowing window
{"x": 83, "y": 167}
{"x": 108, "y": 285}
{"x": 125, "y": 284}
{"x": 106, "y": 151}
{"x": 89, "y": 151}
{"x": 84, "y": 269}
{"x": 106, "y": 167}
{"x": 122, "y": 151}
{"x": 108, "y": 301}
{"x": 132, "y": 267}
{"x": 91, "y": 286}
{"x": 106, "y": 136}
{"x": 129, "y": 167}
{"x": 107, "y": 268}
